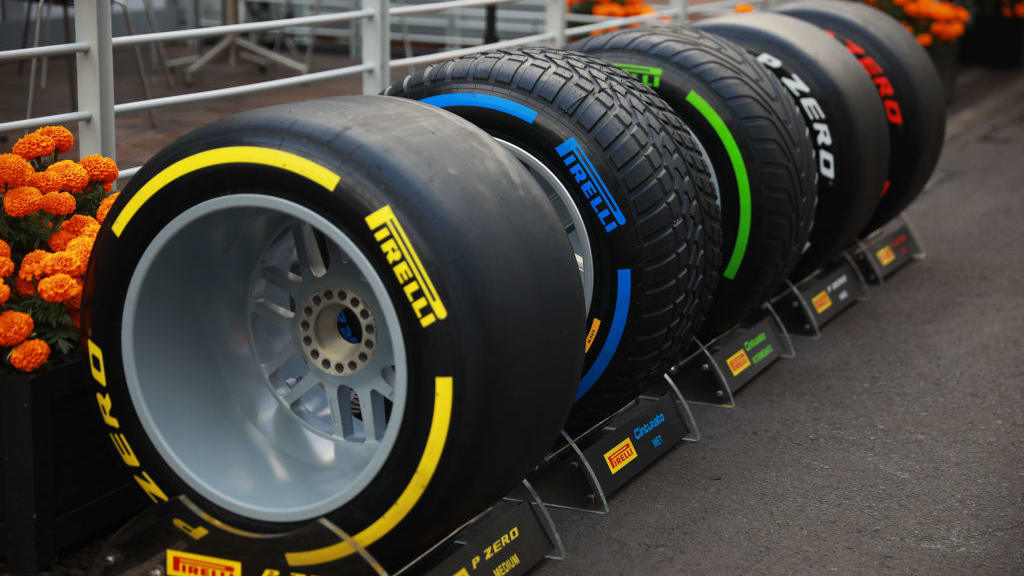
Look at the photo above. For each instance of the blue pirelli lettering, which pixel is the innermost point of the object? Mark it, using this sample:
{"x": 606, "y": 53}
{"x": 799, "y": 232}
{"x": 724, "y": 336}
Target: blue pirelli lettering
{"x": 591, "y": 184}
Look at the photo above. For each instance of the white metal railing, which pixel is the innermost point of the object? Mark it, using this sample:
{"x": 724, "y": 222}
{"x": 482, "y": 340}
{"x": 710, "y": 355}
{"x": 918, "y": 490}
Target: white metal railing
{"x": 94, "y": 45}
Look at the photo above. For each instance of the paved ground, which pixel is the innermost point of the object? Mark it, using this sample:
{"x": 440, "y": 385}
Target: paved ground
{"x": 893, "y": 445}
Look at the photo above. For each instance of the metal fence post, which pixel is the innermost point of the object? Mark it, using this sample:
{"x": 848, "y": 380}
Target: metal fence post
{"x": 95, "y": 77}
{"x": 376, "y": 42}
{"x": 554, "y": 22}
{"x": 681, "y": 17}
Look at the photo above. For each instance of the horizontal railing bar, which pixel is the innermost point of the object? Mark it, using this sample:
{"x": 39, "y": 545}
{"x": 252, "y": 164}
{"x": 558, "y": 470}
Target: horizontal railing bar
{"x": 40, "y": 51}
{"x": 45, "y": 121}
{"x": 718, "y": 6}
{"x": 620, "y": 21}
{"x": 431, "y": 58}
{"x": 442, "y": 6}
{"x": 128, "y": 172}
{"x": 241, "y": 28}
{"x": 245, "y": 89}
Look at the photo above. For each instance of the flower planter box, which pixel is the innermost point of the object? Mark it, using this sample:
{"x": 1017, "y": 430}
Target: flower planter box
{"x": 60, "y": 478}
{"x": 994, "y": 41}
{"x": 944, "y": 55}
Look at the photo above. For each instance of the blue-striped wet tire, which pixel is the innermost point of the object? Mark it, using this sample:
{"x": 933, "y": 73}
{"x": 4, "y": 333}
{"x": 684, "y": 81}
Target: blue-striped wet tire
{"x": 314, "y": 317}
{"x": 633, "y": 173}
{"x": 758, "y": 146}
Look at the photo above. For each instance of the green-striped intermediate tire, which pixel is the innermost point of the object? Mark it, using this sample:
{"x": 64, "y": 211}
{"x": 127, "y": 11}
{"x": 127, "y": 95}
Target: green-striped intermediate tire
{"x": 757, "y": 144}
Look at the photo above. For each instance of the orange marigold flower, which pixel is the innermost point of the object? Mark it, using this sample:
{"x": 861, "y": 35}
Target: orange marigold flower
{"x": 30, "y": 355}
{"x": 74, "y": 178}
{"x": 59, "y": 288}
{"x": 6, "y": 267}
{"x": 5, "y": 293}
{"x": 104, "y": 209}
{"x": 962, "y": 14}
{"x": 15, "y": 327}
{"x": 47, "y": 181}
{"x": 924, "y": 39}
{"x": 1019, "y": 10}
{"x": 743, "y": 7}
{"x": 34, "y": 145}
{"x": 77, "y": 223}
{"x": 81, "y": 247}
{"x": 108, "y": 187}
{"x": 32, "y": 265}
{"x": 100, "y": 168}
{"x": 59, "y": 240}
{"x": 21, "y": 201}
{"x": 59, "y": 203}
{"x": 14, "y": 171}
{"x": 24, "y": 287}
{"x": 63, "y": 263}
{"x": 5, "y": 249}
{"x": 63, "y": 139}
{"x": 91, "y": 230}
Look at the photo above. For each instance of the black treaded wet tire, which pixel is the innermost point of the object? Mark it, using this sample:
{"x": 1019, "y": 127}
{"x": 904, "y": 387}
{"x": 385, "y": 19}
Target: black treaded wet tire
{"x": 770, "y": 136}
{"x": 840, "y": 106}
{"x": 661, "y": 255}
{"x": 484, "y": 233}
{"x": 908, "y": 84}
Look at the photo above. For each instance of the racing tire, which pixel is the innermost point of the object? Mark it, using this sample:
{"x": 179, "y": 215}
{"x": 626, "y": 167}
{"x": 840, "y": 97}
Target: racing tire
{"x": 317, "y": 315}
{"x": 907, "y": 83}
{"x": 611, "y": 151}
{"x": 839, "y": 104}
{"x": 757, "y": 145}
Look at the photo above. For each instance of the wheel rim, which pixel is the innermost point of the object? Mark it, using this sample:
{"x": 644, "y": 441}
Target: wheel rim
{"x": 286, "y": 356}
{"x": 568, "y": 214}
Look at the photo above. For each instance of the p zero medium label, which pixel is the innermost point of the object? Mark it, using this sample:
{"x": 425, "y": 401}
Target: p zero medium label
{"x": 738, "y": 362}
{"x": 185, "y": 564}
{"x": 591, "y": 184}
{"x": 885, "y": 256}
{"x": 405, "y": 263}
{"x": 623, "y": 453}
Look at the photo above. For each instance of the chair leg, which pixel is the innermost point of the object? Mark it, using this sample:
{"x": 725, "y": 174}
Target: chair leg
{"x": 161, "y": 50}
{"x": 138, "y": 60}
{"x": 70, "y": 61}
{"x": 24, "y": 34}
{"x": 32, "y": 66}
{"x": 46, "y": 40}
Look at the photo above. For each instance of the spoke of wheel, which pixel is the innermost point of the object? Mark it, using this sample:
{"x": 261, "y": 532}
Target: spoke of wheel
{"x": 341, "y": 413}
{"x": 279, "y": 358}
{"x": 305, "y": 384}
{"x": 374, "y": 421}
{"x": 276, "y": 313}
{"x": 286, "y": 281}
{"x": 311, "y": 260}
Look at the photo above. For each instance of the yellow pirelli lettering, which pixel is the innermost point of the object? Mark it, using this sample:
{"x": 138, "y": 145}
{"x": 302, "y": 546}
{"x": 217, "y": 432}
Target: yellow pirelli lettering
{"x": 405, "y": 263}
{"x": 125, "y": 450}
{"x": 591, "y": 335}
{"x": 227, "y": 155}
{"x": 193, "y": 532}
{"x": 105, "y": 403}
{"x": 96, "y": 363}
{"x": 436, "y": 438}
{"x": 148, "y": 485}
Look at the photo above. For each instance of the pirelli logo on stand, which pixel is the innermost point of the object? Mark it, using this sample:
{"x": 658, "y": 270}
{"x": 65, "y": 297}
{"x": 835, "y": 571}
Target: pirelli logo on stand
{"x": 821, "y": 302}
{"x": 185, "y": 564}
{"x": 591, "y": 184}
{"x": 405, "y": 263}
{"x": 623, "y": 453}
{"x": 738, "y": 362}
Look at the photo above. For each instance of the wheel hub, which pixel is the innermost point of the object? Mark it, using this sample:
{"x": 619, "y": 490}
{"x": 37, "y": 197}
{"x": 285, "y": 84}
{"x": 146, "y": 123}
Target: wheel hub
{"x": 337, "y": 331}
